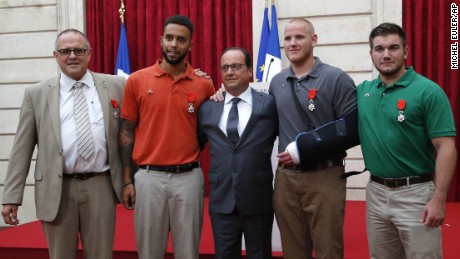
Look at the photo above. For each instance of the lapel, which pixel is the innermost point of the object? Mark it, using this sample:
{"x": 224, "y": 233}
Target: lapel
{"x": 52, "y": 93}
{"x": 215, "y": 117}
{"x": 257, "y": 104}
{"x": 102, "y": 89}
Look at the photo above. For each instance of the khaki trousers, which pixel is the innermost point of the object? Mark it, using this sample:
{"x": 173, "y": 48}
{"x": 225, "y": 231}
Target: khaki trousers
{"x": 87, "y": 209}
{"x": 393, "y": 223}
{"x": 309, "y": 209}
{"x": 168, "y": 202}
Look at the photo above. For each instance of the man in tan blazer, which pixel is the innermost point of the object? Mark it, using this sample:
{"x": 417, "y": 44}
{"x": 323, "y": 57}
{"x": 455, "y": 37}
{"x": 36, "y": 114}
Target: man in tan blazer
{"x": 75, "y": 192}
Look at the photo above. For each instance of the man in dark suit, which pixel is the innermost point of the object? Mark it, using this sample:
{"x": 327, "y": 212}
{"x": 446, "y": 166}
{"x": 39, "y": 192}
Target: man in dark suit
{"x": 241, "y": 134}
{"x": 73, "y": 119}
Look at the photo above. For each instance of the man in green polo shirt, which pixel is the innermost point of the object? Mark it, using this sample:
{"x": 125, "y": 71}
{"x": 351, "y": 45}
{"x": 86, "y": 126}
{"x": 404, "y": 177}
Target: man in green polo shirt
{"x": 407, "y": 137}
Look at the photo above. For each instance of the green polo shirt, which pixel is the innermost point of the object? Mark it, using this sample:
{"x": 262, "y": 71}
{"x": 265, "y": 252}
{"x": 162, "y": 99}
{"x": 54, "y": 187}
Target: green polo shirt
{"x": 393, "y": 148}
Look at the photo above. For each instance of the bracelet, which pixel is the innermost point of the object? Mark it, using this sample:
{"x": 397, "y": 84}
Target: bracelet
{"x": 126, "y": 184}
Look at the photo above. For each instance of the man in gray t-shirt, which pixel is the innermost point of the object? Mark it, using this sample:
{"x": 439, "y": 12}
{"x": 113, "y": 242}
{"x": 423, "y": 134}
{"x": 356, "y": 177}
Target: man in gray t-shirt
{"x": 309, "y": 198}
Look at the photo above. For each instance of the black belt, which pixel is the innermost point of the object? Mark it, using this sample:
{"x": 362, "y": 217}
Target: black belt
{"x": 404, "y": 181}
{"x": 172, "y": 168}
{"x": 320, "y": 165}
{"x": 84, "y": 176}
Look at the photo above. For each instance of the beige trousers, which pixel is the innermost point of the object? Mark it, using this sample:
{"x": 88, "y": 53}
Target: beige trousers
{"x": 168, "y": 202}
{"x": 393, "y": 223}
{"x": 87, "y": 209}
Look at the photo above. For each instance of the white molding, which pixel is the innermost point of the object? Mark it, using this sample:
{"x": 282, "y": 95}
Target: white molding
{"x": 387, "y": 11}
{"x": 71, "y": 14}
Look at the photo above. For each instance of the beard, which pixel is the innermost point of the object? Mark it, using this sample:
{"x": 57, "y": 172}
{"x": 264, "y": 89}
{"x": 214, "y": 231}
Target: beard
{"x": 176, "y": 61}
{"x": 390, "y": 72}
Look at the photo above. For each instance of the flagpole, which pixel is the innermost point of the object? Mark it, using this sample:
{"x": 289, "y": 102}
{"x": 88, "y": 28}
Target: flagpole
{"x": 122, "y": 66}
{"x": 122, "y": 12}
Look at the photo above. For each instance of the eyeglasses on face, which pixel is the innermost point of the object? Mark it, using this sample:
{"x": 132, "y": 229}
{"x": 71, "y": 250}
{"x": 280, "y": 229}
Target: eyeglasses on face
{"x": 76, "y": 52}
{"x": 234, "y": 67}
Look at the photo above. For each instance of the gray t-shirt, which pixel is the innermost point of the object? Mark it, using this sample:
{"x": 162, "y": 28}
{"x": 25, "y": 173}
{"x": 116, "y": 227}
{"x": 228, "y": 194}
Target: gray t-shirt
{"x": 335, "y": 97}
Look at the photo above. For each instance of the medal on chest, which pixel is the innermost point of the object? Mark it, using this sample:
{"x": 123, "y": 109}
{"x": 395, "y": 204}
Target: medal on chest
{"x": 311, "y": 97}
{"x": 115, "y": 106}
{"x": 191, "y": 101}
{"x": 401, "y": 106}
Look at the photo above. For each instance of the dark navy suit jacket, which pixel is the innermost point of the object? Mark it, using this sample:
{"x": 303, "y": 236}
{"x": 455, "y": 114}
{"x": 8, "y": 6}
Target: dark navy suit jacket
{"x": 241, "y": 175}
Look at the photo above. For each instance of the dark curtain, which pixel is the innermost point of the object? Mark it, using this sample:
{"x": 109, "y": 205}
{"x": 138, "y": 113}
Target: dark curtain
{"x": 218, "y": 24}
{"x": 428, "y": 27}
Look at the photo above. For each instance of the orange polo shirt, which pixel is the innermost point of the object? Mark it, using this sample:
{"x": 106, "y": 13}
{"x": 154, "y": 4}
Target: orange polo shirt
{"x": 166, "y": 112}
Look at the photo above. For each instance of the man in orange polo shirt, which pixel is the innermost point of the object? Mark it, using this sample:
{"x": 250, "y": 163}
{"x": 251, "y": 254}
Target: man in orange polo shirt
{"x": 159, "y": 133}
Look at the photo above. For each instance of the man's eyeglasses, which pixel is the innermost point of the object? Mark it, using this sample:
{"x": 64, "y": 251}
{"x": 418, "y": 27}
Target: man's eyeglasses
{"x": 235, "y": 67}
{"x": 66, "y": 52}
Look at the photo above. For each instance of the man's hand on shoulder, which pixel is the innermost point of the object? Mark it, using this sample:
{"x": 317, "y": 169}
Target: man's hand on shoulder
{"x": 200, "y": 73}
{"x": 218, "y": 96}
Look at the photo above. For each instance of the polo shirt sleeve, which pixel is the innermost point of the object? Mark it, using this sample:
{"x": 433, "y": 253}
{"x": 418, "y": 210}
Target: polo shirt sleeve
{"x": 439, "y": 117}
{"x": 130, "y": 106}
{"x": 345, "y": 95}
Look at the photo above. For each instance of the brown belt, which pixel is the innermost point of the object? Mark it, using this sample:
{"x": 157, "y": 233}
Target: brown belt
{"x": 404, "y": 181}
{"x": 320, "y": 165}
{"x": 84, "y": 176}
{"x": 172, "y": 168}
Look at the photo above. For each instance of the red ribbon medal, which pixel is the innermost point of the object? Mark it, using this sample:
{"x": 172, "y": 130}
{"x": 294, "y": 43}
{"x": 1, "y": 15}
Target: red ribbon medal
{"x": 115, "y": 108}
{"x": 311, "y": 96}
{"x": 401, "y": 105}
{"x": 114, "y": 103}
{"x": 191, "y": 100}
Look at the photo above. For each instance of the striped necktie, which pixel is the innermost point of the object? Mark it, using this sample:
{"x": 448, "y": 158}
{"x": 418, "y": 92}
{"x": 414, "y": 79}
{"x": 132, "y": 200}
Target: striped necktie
{"x": 85, "y": 145}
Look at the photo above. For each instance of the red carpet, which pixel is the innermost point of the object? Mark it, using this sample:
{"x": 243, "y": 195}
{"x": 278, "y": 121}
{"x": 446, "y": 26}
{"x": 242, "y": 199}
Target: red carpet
{"x": 28, "y": 240}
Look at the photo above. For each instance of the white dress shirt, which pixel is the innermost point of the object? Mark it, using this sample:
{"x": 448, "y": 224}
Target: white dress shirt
{"x": 244, "y": 110}
{"x": 98, "y": 162}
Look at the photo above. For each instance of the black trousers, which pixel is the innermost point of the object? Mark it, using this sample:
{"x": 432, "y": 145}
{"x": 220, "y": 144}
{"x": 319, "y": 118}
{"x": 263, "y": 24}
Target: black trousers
{"x": 228, "y": 230}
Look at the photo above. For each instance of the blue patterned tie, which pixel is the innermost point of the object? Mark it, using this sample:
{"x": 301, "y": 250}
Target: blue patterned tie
{"x": 85, "y": 145}
{"x": 232, "y": 122}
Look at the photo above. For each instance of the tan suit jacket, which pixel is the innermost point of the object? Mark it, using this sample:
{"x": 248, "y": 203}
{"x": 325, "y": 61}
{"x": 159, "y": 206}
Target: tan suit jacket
{"x": 39, "y": 125}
